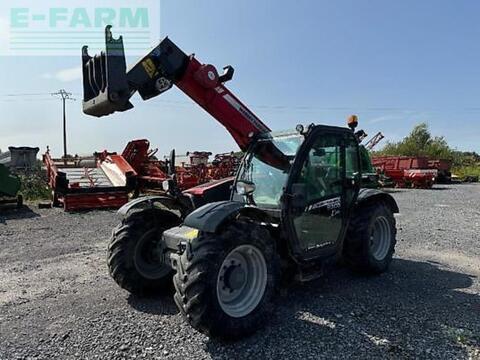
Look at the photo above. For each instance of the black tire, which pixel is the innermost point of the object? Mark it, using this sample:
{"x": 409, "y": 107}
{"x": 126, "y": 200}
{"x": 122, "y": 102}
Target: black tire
{"x": 19, "y": 201}
{"x": 55, "y": 201}
{"x": 129, "y": 256}
{"x": 198, "y": 272}
{"x": 358, "y": 245}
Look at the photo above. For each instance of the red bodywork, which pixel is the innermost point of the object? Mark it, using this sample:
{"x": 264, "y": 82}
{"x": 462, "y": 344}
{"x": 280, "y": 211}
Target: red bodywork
{"x": 110, "y": 200}
{"x": 400, "y": 162}
{"x": 199, "y": 190}
{"x": 201, "y": 84}
{"x": 406, "y": 171}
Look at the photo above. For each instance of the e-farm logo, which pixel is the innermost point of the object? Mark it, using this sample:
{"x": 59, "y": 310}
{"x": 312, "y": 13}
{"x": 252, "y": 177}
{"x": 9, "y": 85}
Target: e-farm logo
{"x": 80, "y": 18}
{"x": 61, "y": 27}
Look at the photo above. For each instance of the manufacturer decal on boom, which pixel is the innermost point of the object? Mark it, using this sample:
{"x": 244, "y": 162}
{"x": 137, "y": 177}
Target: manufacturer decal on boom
{"x": 149, "y": 67}
{"x": 247, "y": 114}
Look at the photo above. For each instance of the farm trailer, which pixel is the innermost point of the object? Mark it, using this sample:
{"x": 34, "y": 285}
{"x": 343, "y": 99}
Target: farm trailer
{"x": 80, "y": 183}
{"x": 406, "y": 171}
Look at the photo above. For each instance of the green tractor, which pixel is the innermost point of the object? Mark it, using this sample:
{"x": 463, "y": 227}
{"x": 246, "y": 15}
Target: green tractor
{"x": 9, "y": 187}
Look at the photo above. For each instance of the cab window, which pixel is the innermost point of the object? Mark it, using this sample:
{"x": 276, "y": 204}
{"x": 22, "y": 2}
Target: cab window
{"x": 322, "y": 171}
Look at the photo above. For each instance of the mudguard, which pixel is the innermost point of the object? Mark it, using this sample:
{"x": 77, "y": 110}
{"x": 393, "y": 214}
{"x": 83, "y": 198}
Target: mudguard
{"x": 148, "y": 202}
{"x": 209, "y": 217}
{"x": 368, "y": 195}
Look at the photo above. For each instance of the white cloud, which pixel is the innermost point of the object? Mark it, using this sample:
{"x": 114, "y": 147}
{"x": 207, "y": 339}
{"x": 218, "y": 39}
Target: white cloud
{"x": 65, "y": 75}
{"x": 71, "y": 74}
{"x": 401, "y": 116}
{"x": 382, "y": 118}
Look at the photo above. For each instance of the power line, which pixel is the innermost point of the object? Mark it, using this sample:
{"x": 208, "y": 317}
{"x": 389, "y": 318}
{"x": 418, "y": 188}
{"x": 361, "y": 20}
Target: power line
{"x": 32, "y": 94}
{"x": 23, "y": 100}
{"x": 29, "y": 94}
{"x": 270, "y": 107}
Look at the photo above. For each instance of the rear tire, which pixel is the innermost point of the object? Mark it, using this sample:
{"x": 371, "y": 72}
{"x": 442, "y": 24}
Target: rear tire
{"x": 226, "y": 283}
{"x": 371, "y": 238}
{"x": 132, "y": 252}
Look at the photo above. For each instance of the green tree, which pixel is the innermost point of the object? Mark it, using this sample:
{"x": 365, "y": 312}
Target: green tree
{"x": 420, "y": 142}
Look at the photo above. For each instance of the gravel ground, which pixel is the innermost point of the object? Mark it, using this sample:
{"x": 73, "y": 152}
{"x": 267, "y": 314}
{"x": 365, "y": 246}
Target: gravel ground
{"x": 57, "y": 300}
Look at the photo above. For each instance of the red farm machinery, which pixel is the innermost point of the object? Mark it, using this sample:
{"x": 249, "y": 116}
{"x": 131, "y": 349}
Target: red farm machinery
{"x": 406, "y": 171}
{"x": 89, "y": 182}
{"x": 107, "y": 179}
{"x": 191, "y": 170}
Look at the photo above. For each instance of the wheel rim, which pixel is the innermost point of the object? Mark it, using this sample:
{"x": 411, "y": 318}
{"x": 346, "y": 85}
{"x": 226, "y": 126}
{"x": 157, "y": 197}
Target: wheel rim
{"x": 380, "y": 238}
{"x": 242, "y": 281}
{"x": 148, "y": 260}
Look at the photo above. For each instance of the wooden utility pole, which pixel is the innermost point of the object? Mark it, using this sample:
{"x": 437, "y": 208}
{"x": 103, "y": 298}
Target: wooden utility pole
{"x": 64, "y": 95}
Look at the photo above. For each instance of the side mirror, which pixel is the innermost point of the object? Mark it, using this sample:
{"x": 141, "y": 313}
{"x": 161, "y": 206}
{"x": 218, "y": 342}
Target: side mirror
{"x": 355, "y": 180}
{"x": 245, "y": 188}
{"x": 299, "y": 195}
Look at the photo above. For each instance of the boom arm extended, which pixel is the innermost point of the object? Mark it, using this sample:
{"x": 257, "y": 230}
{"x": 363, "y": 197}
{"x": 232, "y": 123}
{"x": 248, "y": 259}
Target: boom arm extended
{"x": 108, "y": 86}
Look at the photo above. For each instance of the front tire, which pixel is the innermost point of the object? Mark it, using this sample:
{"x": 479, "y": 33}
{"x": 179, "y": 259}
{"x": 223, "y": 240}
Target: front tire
{"x": 134, "y": 252}
{"x": 226, "y": 283}
{"x": 371, "y": 238}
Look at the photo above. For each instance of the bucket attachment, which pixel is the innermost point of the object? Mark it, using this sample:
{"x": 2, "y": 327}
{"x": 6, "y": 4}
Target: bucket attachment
{"x": 105, "y": 85}
{"x": 108, "y": 86}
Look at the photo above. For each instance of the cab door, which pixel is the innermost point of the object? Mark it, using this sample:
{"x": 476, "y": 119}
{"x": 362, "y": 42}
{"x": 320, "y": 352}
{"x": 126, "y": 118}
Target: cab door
{"x": 323, "y": 185}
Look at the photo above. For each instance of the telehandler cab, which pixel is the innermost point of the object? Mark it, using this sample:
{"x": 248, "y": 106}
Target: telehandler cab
{"x": 296, "y": 203}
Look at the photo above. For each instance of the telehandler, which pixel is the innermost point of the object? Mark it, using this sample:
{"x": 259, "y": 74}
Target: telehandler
{"x": 296, "y": 203}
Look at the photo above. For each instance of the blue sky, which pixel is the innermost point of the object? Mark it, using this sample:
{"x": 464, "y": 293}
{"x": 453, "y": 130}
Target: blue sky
{"x": 394, "y": 63}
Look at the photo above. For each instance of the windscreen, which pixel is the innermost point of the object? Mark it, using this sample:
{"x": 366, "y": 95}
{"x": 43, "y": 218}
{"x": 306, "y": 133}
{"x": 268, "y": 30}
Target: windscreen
{"x": 268, "y": 165}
